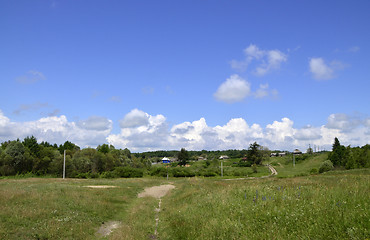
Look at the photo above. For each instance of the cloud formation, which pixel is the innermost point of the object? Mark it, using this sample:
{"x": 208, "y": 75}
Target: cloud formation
{"x": 266, "y": 60}
{"x": 30, "y": 77}
{"x": 32, "y": 106}
{"x": 320, "y": 70}
{"x": 234, "y": 89}
{"x": 141, "y": 131}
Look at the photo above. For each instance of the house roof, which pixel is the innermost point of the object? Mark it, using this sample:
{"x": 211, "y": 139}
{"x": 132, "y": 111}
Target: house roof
{"x": 163, "y": 159}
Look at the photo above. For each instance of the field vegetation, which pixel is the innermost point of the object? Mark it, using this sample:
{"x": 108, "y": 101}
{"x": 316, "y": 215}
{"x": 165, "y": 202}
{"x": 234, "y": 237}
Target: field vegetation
{"x": 305, "y": 200}
{"x": 333, "y": 205}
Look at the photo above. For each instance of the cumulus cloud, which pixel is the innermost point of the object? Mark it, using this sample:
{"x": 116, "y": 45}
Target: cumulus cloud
{"x": 135, "y": 118}
{"x": 55, "y": 130}
{"x": 139, "y": 131}
{"x": 30, "y": 77}
{"x": 234, "y": 89}
{"x": 155, "y": 133}
{"x": 96, "y": 123}
{"x": 266, "y": 60}
{"x": 323, "y": 71}
{"x": 344, "y": 122}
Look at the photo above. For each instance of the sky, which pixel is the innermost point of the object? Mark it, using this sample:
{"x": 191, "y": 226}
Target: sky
{"x": 165, "y": 75}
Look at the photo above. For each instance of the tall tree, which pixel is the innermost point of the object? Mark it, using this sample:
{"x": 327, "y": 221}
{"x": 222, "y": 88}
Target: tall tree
{"x": 338, "y": 153}
{"x": 32, "y": 145}
{"x": 255, "y": 153}
{"x": 183, "y": 156}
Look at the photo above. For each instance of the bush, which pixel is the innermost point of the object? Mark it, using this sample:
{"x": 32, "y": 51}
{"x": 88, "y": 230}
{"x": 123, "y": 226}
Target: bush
{"x": 254, "y": 168}
{"x": 128, "y": 172}
{"x": 326, "y": 166}
{"x": 158, "y": 171}
{"x": 107, "y": 175}
{"x": 314, "y": 171}
{"x": 182, "y": 172}
{"x": 244, "y": 163}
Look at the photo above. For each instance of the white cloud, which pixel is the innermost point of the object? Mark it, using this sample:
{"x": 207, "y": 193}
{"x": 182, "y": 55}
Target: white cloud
{"x": 274, "y": 60}
{"x": 266, "y": 60}
{"x": 155, "y": 133}
{"x": 264, "y": 91}
{"x": 344, "y": 122}
{"x": 234, "y": 89}
{"x": 31, "y": 76}
{"x": 320, "y": 70}
{"x": 96, "y": 123}
{"x": 55, "y": 130}
{"x": 135, "y": 118}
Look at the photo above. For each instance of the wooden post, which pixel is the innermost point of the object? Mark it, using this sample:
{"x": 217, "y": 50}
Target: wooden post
{"x": 64, "y": 165}
{"x": 222, "y": 170}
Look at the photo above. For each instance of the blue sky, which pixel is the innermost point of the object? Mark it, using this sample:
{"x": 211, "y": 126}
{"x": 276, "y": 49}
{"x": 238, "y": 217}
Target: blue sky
{"x": 153, "y": 75}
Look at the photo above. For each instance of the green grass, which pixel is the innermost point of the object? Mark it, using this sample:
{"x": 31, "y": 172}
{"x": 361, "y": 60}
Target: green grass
{"x": 38, "y": 208}
{"x": 284, "y": 165}
{"x": 327, "y": 206}
{"x": 333, "y": 205}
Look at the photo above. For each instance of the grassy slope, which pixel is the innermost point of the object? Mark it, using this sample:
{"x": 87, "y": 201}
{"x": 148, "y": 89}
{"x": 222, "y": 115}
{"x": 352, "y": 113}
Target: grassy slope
{"x": 327, "y": 206}
{"x": 285, "y": 165}
{"x": 55, "y": 208}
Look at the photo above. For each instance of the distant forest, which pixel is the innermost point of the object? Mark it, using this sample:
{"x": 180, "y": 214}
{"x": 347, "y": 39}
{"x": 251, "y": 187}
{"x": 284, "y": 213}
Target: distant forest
{"x": 29, "y": 156}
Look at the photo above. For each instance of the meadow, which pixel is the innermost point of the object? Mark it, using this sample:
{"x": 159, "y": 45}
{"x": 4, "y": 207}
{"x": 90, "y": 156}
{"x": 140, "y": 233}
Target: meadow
{"x": 333, "y": 205}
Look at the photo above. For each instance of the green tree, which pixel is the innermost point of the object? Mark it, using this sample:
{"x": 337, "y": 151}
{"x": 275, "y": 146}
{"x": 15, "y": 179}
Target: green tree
{"x": 337, "y": 155}
{"x": 309, "y": 150}
{"x": 32, "y": 145}
{"x": 103, "y": 148}
{"x": 255, "y": 153}
{"x": 183, "y": 156}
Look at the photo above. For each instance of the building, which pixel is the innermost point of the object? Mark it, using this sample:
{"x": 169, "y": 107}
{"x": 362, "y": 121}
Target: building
{"x": 222, "y": 157}
{"x": 297, "y": 152}
{"x": 166, "y": 160}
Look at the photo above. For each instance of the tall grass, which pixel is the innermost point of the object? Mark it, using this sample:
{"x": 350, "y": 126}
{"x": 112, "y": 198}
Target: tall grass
{"x": 318, "y": 207}
{"x": 55, "y": 208}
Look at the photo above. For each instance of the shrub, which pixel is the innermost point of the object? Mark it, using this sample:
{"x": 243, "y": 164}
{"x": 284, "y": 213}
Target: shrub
{"x": 254, "y": 168}
{"x": 128, "y": 172}
{"x": 244, "y": 163}
{"x": 107, "y": 175}
{"x": 326, "y": 166}
{"x": 314, "y": 171}
{"x": 182, "y": 172}
{"x": 158, "y": 171}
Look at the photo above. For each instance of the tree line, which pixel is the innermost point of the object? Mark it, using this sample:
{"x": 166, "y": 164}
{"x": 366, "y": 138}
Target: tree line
{"x": 349, "y": 157}
{"x": 29, "y": 156}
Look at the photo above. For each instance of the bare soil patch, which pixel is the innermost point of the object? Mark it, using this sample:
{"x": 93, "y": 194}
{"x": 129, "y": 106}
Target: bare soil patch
{"x": 101, "y": 186}
{"x": 156, "y": 191}
{"x": 107, "y": 228}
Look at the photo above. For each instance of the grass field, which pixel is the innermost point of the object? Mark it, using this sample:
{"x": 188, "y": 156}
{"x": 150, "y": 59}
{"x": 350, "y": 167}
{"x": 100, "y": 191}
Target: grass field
{"x": 334, "y": 205}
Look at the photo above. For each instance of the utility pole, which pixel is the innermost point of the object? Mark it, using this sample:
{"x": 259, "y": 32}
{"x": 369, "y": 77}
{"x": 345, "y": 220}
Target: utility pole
{"x": 293, "y": 160}
{"x": 64, "y": 165}
{"x": 222, "y": 170}
{"x": 167, "y": 171}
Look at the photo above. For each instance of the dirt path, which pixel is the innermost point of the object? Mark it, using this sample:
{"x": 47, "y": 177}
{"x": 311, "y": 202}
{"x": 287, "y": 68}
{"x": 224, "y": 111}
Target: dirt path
{"x": 272, "y": 169}
{"x": 156, "y": 192}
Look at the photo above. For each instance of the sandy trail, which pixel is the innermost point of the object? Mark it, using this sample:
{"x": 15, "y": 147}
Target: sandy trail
{"x": 156, "y": 191}
{"x": 272, "y": 169}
